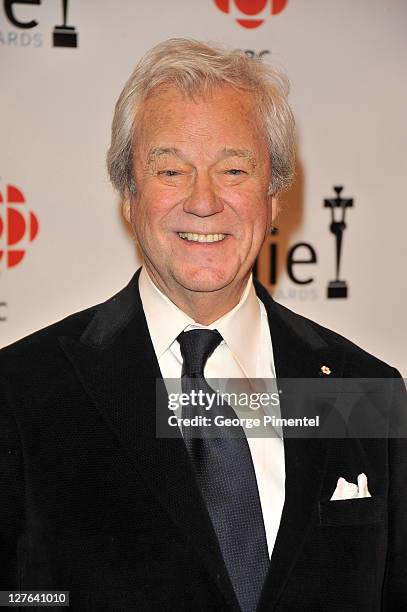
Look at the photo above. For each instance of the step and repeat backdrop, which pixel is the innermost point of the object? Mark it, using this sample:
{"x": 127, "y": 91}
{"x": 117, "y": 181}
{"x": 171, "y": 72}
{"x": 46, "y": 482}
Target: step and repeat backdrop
{"x": 63, "y": 243}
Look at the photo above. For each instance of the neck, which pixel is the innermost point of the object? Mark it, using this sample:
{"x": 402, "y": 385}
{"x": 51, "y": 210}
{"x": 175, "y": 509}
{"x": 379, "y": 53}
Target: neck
{"x": 203, "y": 307}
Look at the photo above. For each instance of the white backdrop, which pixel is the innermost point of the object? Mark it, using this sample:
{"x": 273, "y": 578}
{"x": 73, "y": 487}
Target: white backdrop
{"x": 347, "y": 62}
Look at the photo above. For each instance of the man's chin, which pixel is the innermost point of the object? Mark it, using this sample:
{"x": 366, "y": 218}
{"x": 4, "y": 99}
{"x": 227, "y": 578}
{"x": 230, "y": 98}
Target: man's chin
{"x": 205, "y": 281}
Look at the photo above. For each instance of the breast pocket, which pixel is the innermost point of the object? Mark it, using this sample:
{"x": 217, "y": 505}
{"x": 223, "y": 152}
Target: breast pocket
{"x": 359, "y": 511}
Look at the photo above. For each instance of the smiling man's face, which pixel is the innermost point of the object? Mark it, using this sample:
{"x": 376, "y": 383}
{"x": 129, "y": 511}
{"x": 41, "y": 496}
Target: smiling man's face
{"x": 201, "y": 210}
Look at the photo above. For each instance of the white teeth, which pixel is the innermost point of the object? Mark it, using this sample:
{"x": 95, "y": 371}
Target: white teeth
{"x": 201, "y": 237}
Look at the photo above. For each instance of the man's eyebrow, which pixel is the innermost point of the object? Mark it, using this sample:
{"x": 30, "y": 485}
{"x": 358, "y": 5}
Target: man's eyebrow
{"x": 245, "y": 153}
{"x": 157, "y": 152}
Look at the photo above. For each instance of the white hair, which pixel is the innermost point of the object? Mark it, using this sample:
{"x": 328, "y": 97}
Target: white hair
{"x": 194, "y": 67}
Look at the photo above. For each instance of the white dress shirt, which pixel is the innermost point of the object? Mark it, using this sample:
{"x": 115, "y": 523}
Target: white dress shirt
{"x": 245, "y": 352}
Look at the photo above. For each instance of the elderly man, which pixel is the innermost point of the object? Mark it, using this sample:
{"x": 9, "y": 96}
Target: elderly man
{"x": 94, "y": 501}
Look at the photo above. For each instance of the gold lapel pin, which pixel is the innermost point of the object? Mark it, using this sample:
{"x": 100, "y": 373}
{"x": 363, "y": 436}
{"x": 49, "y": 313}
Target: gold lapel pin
{"x": 326, "y": 370}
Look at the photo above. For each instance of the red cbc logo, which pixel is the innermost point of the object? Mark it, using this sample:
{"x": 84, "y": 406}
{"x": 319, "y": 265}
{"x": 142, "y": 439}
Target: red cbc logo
{"x": 18, "y": 226}
{"x": 251, "y": 8}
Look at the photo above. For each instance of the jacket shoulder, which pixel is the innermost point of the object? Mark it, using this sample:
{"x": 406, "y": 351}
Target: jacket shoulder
{"x": 41, "y": 350}
{"x": 358, "y": 362}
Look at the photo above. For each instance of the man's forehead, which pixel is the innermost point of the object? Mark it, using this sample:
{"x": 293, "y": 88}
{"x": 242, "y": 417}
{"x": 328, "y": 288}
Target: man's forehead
{"x": 175, "y": 127}
{"x": 165, "y": 100}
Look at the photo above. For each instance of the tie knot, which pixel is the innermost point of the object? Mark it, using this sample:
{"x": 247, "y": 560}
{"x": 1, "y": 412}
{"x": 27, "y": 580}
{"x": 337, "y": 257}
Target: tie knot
{"x": 196, "y": 347}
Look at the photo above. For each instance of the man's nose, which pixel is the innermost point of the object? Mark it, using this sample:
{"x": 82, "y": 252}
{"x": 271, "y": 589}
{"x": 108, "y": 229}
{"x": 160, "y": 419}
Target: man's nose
{"x": 203, "y": 201}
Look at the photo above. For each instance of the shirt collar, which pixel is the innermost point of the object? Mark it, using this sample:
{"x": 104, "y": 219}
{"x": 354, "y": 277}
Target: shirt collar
{"x": 240, "y": 327}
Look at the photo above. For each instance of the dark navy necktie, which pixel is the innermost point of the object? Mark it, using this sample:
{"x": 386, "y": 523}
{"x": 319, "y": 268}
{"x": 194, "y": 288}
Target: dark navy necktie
{"x": 226, "y": 476}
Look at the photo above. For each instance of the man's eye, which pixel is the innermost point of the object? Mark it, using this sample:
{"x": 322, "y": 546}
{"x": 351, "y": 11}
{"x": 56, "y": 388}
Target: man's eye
{"x": 168, "y": 173}
{"x": 235, "y": 172}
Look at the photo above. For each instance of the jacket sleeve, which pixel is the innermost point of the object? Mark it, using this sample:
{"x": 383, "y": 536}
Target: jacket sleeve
{"x": 11, "y": 496}
{"x": 395, "y": 584}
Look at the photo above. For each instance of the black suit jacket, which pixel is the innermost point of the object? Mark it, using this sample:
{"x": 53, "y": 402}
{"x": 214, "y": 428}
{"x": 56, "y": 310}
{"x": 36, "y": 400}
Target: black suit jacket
{"x": 94, "y": 503}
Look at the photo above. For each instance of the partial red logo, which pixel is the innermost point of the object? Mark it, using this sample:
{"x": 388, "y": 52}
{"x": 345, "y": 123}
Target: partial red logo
{"x": 250, "y": 10}
{"x": 18, "y": 226}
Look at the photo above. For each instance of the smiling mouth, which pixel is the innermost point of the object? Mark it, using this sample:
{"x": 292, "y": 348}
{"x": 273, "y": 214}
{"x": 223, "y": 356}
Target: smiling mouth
{"x": 201, "y": 237}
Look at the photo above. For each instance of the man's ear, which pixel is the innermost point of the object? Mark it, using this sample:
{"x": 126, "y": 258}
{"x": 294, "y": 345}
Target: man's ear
{"x": 126, "y": 209}
{"x": 274, "y": 209}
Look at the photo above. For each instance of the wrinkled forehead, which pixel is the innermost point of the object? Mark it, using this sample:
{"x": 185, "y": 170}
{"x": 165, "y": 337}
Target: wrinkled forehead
{"x": 219, "y": 110}
{"x": 220, "y": 94}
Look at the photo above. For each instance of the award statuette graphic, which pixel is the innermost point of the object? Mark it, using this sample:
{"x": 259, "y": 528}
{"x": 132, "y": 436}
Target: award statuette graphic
{"x": 63, "y": 35}
{"x": 338, "y": 288}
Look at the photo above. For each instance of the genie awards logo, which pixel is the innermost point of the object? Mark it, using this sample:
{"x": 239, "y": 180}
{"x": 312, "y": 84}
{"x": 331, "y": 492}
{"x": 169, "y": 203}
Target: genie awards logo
{"x": 338, "y": 288}
{"x": 299, "y": 261}
{"x": 251, "y": 13}
{"x": 18, "y": 227}
{"x": 26, "y": 20}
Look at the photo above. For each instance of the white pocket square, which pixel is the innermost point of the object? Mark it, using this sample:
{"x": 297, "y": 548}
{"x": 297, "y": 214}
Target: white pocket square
{"x": 349, "y": 490}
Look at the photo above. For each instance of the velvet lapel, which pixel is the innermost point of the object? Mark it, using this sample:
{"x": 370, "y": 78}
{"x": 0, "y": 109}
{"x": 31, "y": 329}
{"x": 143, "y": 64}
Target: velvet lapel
{"x": 299, "y": 352}
{"x": 116, "y": 363}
